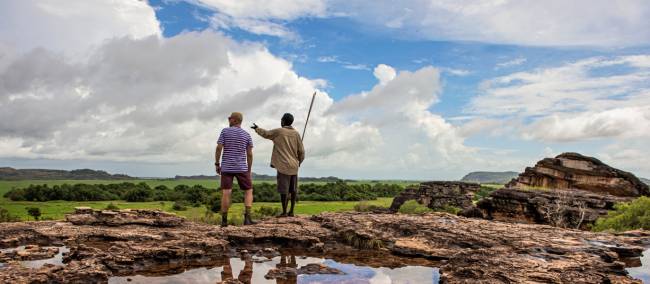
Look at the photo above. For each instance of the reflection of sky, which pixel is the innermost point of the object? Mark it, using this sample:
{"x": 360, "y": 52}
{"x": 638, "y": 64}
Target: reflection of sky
{"x": 56, "y": 260}
{"x": 355, "y": 274}
{"x": 642, "y": 272}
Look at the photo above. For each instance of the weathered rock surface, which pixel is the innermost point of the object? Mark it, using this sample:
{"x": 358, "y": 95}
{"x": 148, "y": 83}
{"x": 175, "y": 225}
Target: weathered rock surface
{"x": 438, "y": 194}
{"x": 469, "y": 249}
{"x": 88, "y": 216}
{"x": 575, "y": 171}
{"x": 564, "y": 208}
{"x": 311, "y": 268}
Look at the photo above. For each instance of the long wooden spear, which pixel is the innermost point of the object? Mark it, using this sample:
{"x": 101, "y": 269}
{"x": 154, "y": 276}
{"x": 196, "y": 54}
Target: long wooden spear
{"x": 308, "y": 114}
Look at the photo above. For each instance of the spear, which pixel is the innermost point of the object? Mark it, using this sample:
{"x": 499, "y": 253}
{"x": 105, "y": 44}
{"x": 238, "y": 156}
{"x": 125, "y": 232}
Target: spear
{"x": 308, "y": 114}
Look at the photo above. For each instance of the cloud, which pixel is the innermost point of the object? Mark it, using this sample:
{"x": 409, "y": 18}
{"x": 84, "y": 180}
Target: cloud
{"x": 510, "y": 63}
{"x": 59, "y": 26}
{"x": 528, "y": 22}
{"x": 384, "y": 73}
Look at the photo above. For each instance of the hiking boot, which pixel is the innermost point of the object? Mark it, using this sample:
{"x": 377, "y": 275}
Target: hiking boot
{"x": 290, "y": 214}
{"x": 224, "y": 220}
{"x": 248, "y": 220}
{"x": 282, "y": 215}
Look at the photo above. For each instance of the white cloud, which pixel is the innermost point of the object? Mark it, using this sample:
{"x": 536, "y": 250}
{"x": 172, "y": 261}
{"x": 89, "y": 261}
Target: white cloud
{"x": 526, "y": 22}
{"x": 356, "y": 66}
{"x": 73, "y": 26}
{"x": 510, "y": 63}
{"x": 384, "y": 73}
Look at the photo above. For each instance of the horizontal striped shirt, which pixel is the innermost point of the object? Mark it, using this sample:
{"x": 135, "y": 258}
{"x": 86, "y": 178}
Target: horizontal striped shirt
{"x": 235, "y": 141}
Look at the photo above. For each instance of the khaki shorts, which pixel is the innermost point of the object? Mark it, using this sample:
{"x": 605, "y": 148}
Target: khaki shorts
{"x": 287, "y": 183}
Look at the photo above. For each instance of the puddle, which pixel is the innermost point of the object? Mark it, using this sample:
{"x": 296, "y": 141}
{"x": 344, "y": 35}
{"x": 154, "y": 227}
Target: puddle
{"x": 254, "y": 269}
{"x": 642, "y": 272}
{"x": 56, "y": 260}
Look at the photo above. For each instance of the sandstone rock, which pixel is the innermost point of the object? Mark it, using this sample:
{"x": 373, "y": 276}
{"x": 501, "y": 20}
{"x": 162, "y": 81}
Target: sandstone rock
{"x": 83, "y": 216}
{"x": 438, "y": 194}
{"x": 318, "y": 268}
{"x": 563, "y": 208}
{"x": 575, "y": 171}
{"x": 494, "y": 252}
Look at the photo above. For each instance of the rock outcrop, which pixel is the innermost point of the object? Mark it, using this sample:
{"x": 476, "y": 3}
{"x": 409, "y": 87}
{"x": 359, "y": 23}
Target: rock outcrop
{"x": 575, "y": 171}
{"x": 468, "y": 249}
{"x": 88, "y": 216}
{"x": 562, "y": 208}
{"x": 438, "y": 194}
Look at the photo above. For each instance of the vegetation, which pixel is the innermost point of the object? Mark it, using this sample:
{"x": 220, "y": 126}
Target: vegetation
{"x": 34, "y": 212}
{"x": 111, "y": 206}
{"x": 179, "y": 206}
{"x": 364, "y": 206}
{"x": 5, "y": 216}
{"x": 627, "y": 216}
{"x": 483, "y": 192}
{"x": 413, "y": 207}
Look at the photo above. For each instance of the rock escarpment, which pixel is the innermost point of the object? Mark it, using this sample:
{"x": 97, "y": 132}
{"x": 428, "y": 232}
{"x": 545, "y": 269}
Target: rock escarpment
{"x": 575, "y": 171}
{"x": 468, "y": 249}
{"x": 563, "y": 208}
{"x": 438, "y": 194}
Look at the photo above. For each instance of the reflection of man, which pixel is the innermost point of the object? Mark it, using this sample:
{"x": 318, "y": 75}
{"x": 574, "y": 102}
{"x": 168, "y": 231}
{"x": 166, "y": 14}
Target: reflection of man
{"x": 237, "y": 147}
{"x": 245, "y": 275}
{"x": 291, "y": 279}
{"x": 288, "y": 154}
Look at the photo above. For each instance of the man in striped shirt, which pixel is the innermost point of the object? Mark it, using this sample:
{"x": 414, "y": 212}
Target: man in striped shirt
{"x": 237, "y": 159}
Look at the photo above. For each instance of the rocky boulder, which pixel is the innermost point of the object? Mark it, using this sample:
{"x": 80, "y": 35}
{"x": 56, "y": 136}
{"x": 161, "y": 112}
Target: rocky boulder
{"x": 561, "y": 208}
{"x": 438, "y": 194}
{"x": 88, "y": 216}
{"x": 575, "y": 171}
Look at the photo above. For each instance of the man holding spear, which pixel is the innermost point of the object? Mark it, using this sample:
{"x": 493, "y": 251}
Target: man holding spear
{"x": 288, "y": 154}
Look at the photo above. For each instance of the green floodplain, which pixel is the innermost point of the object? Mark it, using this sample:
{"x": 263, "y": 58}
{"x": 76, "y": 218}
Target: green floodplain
{"x": 56, "y": 210}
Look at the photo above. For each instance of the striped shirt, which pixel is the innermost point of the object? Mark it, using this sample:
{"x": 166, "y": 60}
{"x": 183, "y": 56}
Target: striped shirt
{"x": 235, "y": 141}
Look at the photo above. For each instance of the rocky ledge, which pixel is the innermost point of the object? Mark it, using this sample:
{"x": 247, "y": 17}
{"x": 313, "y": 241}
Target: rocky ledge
{"x": 466, "y": 249}
{"x": 575, "y": 171}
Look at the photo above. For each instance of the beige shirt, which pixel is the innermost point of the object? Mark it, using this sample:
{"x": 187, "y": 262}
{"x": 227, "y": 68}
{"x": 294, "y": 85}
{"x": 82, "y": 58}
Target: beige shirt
{"x": 288, "y": 151}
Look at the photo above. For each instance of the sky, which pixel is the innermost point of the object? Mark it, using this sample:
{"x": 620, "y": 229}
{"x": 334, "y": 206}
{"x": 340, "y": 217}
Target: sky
{"x": 414, "y": 89}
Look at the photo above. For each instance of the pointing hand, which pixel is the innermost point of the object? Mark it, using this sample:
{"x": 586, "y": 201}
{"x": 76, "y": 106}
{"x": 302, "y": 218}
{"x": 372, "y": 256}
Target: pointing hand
{"x": 254, "y": 126}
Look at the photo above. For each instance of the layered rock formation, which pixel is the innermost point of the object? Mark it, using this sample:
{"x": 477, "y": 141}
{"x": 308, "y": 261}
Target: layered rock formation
{"x": 562, "y": 208}
{"x": 467, "y": 249}
{"x": 438, "y": 194}
{"x": 575, "y": 171}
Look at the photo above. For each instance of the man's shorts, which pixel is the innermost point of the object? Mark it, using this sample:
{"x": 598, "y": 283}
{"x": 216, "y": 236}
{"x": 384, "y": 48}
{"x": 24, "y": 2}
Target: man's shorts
{"x": 287, "y": 183}
{"x": 243, "y": 179}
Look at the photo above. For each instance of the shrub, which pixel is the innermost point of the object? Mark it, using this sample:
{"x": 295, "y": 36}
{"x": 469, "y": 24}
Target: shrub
{"x": 34, "y": 212}
{"x": 365, "y": 207}
{"x": 450, "y": 209}
{"x": 483, "y": 192}
{"x": 112, "y": 206}
{"x": 6, "y": 217}
{"x": 627, "y": 216}
{"x": 413, "y": 207}
{"x": 266, "y": 211}
{"x": 179, "y": 206}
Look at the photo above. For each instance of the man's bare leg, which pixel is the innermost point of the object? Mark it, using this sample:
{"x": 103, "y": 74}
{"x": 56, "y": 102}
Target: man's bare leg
{"x": 225, "y": 205}
{"x": 248, "y": 203}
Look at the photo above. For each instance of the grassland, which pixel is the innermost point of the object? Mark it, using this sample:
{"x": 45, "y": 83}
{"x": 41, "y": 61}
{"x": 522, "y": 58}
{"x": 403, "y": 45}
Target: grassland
{"x": 56, "y": 210}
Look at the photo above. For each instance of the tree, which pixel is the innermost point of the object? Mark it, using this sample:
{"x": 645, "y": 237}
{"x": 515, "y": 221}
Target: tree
{"x": 34, "y": 212}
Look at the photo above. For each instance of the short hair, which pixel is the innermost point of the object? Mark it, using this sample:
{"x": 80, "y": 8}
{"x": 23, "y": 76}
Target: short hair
{"x": 287, "y": 118}
{"x": 237, "y": 116}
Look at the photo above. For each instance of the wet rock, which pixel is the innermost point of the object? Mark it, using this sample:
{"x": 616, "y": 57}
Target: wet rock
{"x": 318, "y": 268}
{"x": 29, "y": 252}
{"x": 496, "y": 252}
{"x": 438, "y": 194}
{"x": 281, "y": 273}
{"x": 575, "y": 171}
{"x": 562, "y": 208}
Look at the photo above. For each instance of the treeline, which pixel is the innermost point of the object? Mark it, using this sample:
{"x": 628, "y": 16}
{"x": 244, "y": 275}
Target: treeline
{"x": 197, "y": 194}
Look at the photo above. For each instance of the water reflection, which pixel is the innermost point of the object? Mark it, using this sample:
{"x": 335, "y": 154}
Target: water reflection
{"x": 252, "y": 269}
{"x": 56, "y": 260}
{"x": 642, "y": 272}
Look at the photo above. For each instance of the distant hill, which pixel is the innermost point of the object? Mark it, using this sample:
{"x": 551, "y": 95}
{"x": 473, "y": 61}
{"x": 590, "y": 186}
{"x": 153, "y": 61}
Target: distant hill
{"x": 7, "y": 173}
{"x": 266, "y": 177}
{"x": 490, "y": 177}
{"x": 645, "y": 180}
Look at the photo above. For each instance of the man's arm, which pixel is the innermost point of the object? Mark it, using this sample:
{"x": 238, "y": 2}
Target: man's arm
{"x": 249, "y": 157}
{"x": 217, "y": 157}
{"x": 301, "y": 151}
{"x": 268, "y": 134}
